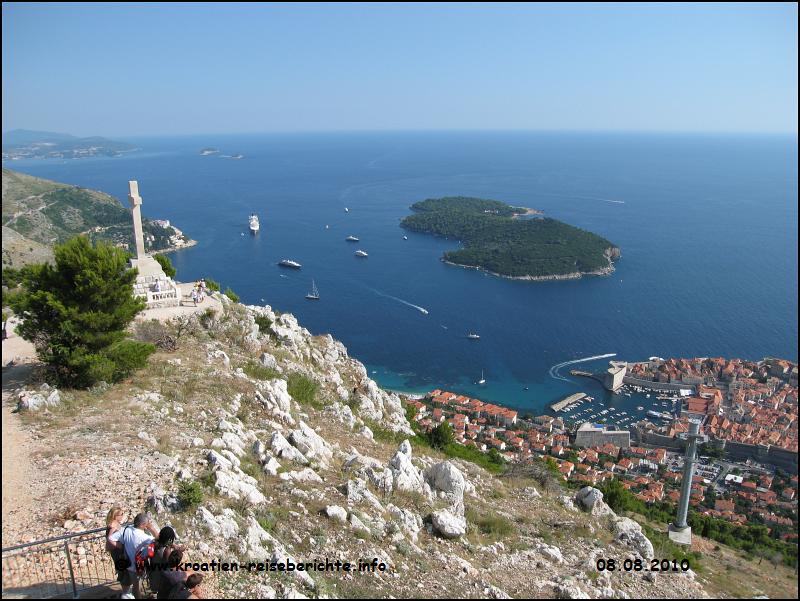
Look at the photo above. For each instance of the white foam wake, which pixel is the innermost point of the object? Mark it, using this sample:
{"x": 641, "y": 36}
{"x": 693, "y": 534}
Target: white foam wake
{"x": 400, "y": 300}
{"x": 554, "y": 370}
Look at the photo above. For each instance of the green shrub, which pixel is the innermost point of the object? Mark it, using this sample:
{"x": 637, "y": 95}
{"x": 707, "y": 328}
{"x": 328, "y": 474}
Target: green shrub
{"x": 441, "y": 435}
{"x": 490, "y": 524}
{"x": 212, "y": 285}
{"x": 190, "y": 494}
{"x": 166, "y": 265}
{"x": 77, "y": 310}
{"x": 259, "y": 372}
{"x": 128, "y": 356}
{"x": 303, "y": 390}
{"x": 231, "y": 295}
{"x": 264, "y": 323}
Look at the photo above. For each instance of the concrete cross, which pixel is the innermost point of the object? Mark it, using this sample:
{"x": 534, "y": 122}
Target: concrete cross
{"x": 136, "y": 202}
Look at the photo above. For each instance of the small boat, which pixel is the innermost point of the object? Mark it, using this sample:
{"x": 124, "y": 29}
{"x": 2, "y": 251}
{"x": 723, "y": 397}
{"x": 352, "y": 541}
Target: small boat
{"x": 290, "y": 263}
{"x": 526, "y": 388}
{"x": 482, "y": 381}
{"x": 405, "y": 237}
{"x": 640, "y": 408}
{"x": 327, "y": 226}
{"x": 346, "y": 210}
{"x": 473, "y": 336}
{"x": 314, "y": 294}
{"x": 351, "y": 239}
{"x": 361, "y": 253}
{"x": 423, "y": 311}
{"x": 254, "y": 223}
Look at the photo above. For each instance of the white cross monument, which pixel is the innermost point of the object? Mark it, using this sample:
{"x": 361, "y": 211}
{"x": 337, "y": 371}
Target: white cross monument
{"x": 152, "y": 284}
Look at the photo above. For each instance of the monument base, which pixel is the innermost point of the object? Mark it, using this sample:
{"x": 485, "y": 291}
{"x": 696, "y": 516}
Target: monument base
{"x": 681, "y": 536}
{"x": 153, "y": 285}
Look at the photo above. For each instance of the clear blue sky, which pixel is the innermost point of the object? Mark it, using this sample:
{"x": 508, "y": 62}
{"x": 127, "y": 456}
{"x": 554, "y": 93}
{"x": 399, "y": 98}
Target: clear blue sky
{"x": 150, "y": 69}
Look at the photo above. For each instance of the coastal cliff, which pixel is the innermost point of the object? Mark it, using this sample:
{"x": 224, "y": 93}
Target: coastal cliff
{"x": 38, "y": 213}
{"x": 257, "y": 440}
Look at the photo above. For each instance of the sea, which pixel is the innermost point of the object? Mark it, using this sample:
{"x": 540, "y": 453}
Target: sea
{"x": 707, "y": 225}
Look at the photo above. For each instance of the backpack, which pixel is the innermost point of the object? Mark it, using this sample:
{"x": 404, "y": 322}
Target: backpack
{"x": 119, "y": 556}
{"x": 144, "y": 558}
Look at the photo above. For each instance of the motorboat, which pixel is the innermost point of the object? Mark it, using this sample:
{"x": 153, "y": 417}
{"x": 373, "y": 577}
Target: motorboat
{"x": 290, "y": 263}
{"x": 361, "y": 253}
{"x": 254, "y": 226}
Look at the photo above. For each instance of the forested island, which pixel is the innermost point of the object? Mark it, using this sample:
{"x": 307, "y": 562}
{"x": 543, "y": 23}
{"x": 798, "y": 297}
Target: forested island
{"x": 495, "y": 239}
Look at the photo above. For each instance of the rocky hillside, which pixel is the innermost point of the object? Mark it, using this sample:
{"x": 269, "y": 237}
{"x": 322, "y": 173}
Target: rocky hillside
{"x": 38, "y": 213}
{"x": 257, "y": 440}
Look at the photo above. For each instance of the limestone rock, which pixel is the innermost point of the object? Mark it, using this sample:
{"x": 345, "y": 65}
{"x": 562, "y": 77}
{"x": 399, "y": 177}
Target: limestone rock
{"x": 630, "y": 532}
{"x": 448, "y": 524}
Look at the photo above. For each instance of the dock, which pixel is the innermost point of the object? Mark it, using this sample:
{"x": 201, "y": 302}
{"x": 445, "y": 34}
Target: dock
{"x": 585, "y": 374}
{"x": 567, "y": 401}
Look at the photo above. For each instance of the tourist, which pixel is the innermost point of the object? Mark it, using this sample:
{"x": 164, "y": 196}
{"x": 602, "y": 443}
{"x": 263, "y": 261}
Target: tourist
{"x": 133, "y": 538}
{"x": 165, "y": 545}
{"x": 189, "y": 589}
{"x": 172, "y": 577}
{"x": 194, "y": 296}
{"x": 114, "y": 520}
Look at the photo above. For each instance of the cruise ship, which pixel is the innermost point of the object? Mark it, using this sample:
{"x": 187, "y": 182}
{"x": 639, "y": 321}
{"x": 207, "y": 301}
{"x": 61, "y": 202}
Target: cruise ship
{"x": 254, "y": 223}
{"x": 290, "y": 263}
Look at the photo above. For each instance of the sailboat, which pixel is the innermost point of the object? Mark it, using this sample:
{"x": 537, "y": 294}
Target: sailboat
{"x": 314, "y": 294}
{"x": 482, "y": 380}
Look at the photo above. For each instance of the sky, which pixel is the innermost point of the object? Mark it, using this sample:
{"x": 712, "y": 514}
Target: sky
{"x": 153, "y": 69}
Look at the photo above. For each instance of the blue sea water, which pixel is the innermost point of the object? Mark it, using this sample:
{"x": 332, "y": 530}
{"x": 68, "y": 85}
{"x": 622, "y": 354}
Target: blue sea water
{"x": 707, "y": 226}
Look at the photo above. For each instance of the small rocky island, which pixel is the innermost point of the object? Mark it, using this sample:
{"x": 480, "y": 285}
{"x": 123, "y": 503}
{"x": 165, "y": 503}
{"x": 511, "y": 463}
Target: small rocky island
{"x": 497, "y": 239}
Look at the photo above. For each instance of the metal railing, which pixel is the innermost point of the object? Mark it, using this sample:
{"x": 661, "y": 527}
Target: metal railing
{"x": 56, "y": 567}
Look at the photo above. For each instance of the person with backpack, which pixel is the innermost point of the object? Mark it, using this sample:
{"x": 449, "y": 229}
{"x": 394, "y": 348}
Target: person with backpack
{"x": 164, "y": 547}
{"x": 138, "y": 541}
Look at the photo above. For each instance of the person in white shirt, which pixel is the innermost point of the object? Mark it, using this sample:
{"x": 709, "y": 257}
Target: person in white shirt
{"x": 132, "y": 538}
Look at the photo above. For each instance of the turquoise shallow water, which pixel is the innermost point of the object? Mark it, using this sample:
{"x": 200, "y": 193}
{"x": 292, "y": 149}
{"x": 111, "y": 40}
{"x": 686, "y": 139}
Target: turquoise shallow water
{"x": 707, "y": 226}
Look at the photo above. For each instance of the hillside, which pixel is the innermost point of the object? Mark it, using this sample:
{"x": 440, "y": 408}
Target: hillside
{"x": 38, "y": 213}
{"x": 494, "y": 238}
{"x": 257, "y": 440}
{"x": 30, "y": 144}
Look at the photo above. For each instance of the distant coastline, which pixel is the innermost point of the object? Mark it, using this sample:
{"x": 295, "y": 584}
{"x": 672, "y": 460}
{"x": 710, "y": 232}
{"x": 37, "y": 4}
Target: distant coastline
{"x": 576, "y": 275}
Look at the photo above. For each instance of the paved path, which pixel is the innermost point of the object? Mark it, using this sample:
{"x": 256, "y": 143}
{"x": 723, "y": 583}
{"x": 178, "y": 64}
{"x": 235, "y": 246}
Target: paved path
{"x": 187, "y": 307}
{"x": 21, "y": 489}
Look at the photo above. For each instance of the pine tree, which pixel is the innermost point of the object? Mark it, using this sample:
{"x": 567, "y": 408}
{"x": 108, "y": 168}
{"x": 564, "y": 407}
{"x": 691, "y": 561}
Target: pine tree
{"x": 76, "y": 312}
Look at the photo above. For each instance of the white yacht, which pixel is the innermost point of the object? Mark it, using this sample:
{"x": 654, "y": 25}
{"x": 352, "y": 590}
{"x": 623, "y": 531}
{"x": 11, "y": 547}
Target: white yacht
{"x": 473, "y": 336}
{"x": 351, "y": 239}
{"x": 361, "y": 253}
{"x": 405, "y": 237}
{"x": 290, "y": 263}
{"x": 314, "y": 294}
{"x": 482, "y": 380}
{"x": 346, "y": 210}
{"x": 254, "y": 223}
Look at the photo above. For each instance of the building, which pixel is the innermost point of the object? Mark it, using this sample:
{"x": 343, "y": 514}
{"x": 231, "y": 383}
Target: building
{"x": 597, "y": 435}
{"x": 613, "y": 378}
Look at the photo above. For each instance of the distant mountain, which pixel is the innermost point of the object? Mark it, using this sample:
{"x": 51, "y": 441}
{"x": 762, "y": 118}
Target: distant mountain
{"x": 30, "y": 144}
{"x": 38, "y": 213}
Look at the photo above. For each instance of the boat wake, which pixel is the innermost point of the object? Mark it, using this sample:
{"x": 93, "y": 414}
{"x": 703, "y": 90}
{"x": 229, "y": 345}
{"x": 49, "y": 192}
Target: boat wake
{"x": 554, "y": 370}
{"x": 400, "y": 300}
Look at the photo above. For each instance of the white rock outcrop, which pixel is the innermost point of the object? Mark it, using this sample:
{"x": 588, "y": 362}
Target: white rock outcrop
{"x": 448, "y": 524}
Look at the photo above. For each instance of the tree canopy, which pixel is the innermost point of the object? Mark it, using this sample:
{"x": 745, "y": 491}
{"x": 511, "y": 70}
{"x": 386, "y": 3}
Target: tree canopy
{"x": 76, "y": 313}
{"x": 495, "y": 240}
